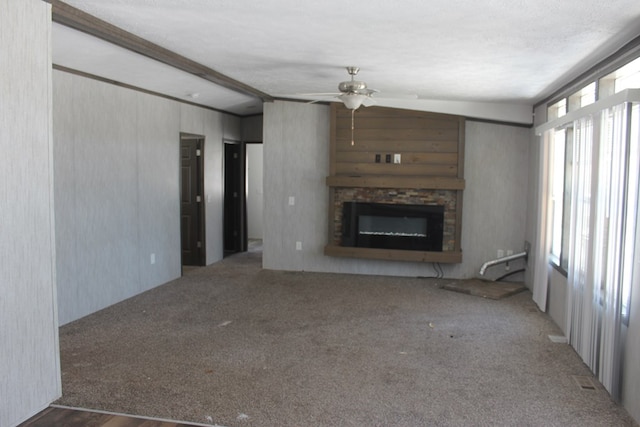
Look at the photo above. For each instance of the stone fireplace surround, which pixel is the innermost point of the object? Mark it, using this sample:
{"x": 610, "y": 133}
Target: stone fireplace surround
{"x": 446, "y": 198}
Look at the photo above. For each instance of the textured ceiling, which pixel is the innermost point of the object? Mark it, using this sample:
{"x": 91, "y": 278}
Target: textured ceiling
{"x": 505, "y": 53}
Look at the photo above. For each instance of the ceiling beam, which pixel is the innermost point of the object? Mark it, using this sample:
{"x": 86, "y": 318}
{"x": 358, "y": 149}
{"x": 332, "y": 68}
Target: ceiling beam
{"x": 139, "y": 89}
{"x": 75, "y": 18}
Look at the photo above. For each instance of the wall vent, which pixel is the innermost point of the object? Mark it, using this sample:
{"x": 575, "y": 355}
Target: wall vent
{"x": 584, "y": 382}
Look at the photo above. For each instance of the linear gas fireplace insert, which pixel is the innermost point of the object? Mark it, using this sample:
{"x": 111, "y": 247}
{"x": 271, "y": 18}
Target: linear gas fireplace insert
{"x": 392, "y": 226}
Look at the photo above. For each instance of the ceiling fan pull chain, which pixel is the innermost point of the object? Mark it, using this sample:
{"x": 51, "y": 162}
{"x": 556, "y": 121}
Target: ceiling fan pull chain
{"x": 352, "y": 113}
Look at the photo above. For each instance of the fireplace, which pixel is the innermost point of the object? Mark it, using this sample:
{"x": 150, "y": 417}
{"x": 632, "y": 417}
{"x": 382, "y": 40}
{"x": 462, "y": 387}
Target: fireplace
{"x": 392, "y": 226}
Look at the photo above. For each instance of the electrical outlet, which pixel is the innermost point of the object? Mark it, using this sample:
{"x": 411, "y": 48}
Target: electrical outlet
{"x": 500, "y": 253}
{"x": 509, "y": 252}
{"x": 298, "y": 246}
{"x": 153, "y": 259}
{"x": 292, "y": 200}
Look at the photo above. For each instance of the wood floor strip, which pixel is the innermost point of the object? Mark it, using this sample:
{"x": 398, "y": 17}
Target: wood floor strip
{"x": 63, "y": 416}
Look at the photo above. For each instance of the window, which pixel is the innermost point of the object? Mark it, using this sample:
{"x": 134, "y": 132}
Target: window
{"x": 627, "y": 77}
{"x": 583, "y": 97}
{"x": 558, "y": 109}
{"x": 557, "y": 187}
{"x": 560, "y": 189}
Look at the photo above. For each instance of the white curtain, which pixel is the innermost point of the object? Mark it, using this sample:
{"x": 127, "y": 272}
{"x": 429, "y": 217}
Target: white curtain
{"x": 631, "y": 268}
{"x": 582, "y": 319}
{"x": 619, "y": 212}
{"x": 602, "y": 238}
{"x": 543, "y": 230}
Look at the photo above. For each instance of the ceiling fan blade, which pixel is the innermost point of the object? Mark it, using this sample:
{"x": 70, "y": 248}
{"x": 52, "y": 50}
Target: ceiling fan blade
{"x": 319, "y": 94}
{"x": 368, "y": 102}
{"x": 353, "y": 93}
{"x": 316, "y": 100}
{"x": 396, "y": 95}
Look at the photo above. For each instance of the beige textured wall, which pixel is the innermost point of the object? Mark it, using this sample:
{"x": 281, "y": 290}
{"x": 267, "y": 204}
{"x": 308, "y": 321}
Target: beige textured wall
{"x": 29, "y": 361}
{"x": 495, "y": 197}
{"x": 255, "y": 190}
{"x": 296, "y": 162}
{"x": 252, "y": 128}
{"x": 232, "y": 127}
{"x": 116, "y": 176}
{"x": 557, "y": 297}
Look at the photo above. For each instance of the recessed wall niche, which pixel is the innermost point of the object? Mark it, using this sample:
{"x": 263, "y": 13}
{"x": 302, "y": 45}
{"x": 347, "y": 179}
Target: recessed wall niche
{"x": 397, "y": 157}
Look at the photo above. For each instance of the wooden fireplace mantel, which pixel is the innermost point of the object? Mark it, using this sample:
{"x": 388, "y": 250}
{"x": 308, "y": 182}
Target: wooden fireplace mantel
{"x": 431, "y": 151}
{"x": 393, "y": 254}
{"x": 392, "y": 181}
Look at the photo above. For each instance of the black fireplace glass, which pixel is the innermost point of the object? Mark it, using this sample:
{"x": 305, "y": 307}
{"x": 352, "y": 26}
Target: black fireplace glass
{"x": 393, "y": 226}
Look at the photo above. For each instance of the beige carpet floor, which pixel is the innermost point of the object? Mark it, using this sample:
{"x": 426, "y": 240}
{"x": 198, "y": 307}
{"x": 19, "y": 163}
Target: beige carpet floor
{"x": 234, "y": 345}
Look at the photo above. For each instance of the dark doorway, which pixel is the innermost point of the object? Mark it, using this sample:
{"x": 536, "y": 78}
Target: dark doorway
{"x": 191, "y": 199}
{"x": 235, "y": 218}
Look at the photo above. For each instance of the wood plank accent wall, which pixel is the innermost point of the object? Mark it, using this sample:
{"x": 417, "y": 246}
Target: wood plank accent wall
{"x": 431, "y": 150}
{"x": 429, "y": 144}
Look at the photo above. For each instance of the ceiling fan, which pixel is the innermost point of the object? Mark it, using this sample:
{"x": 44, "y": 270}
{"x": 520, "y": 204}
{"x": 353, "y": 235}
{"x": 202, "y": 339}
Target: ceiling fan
{"x": 353, "y": 93}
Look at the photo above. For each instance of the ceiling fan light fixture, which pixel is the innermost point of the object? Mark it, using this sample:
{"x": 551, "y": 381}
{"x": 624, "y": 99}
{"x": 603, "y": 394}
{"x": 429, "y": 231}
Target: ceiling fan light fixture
{"x": 352, "y": 86}
{"x": 352, "y": 101}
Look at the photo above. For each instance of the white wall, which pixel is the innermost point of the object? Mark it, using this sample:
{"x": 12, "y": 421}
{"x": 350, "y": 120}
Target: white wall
{"x": 116, "y": 178}
{"x": 296, "y": 161}
{"x": 29, "y": 361}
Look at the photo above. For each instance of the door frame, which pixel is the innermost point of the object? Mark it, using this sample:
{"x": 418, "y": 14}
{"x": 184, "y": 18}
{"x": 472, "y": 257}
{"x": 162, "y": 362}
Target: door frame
{"x": 202, "y": 258}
